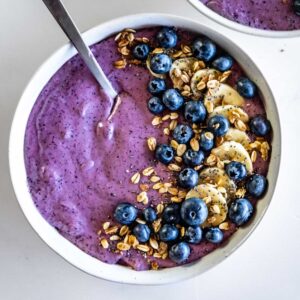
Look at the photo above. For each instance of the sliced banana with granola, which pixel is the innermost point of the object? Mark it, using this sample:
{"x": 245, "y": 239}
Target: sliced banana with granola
{"x": 238, "y": 136}
{"x": 222, "y": 94}
{"x": 200, "y": 78}
{"x": 215, "y": 201}
{"x": 233, "y": 151}
{"x": 231, "y": 112}
{"x": 179, "y": 68}
{"x": 220, "y": 179}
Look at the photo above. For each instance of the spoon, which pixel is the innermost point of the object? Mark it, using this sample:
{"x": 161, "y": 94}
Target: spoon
{"x": 65, "y": 21}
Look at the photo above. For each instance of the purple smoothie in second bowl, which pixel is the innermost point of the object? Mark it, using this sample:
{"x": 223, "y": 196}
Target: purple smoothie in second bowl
{"x": 268, "y": 15}
{"x": 79, "y": 165}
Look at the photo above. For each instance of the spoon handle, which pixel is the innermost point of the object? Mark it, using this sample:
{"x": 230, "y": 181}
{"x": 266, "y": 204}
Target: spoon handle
{"x": 65, "y": 21}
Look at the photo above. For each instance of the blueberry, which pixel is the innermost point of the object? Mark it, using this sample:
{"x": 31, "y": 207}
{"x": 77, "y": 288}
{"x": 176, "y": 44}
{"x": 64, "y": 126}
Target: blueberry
{"x": 193, "y": 158}
{"x": 149, "y": 214}
{"x": 236, "y": 170}
{"x": 218, "y": 124}
{"x": 156, "y": 86}
{"x": 193, "y": 211}
{"x": 171, "y": 214}
{"x": 141, "y": 232}
{"x": 141, "y": 51}
{"x": 260, "y": 126}
{"x": 256, "y": 185}
{"x": 180, "y": 252}
{"x": 214, "y": 235}
{"x": 194, "y": 111}
{"x": 188, "y": 178}
{"x": 125, "y": 213}
{"x": 164, "y": 154}
{"x": 155, "y": 105}
{"x": 160, "y": 63}
{"x": 240, "y": 211}
{"x": 172, "y": 99}
{"x": 296, "y": 6}
{"x": 246, "y": 87}
{"x": 167, "y": 38}
{"x": 168, "y": 233}
{"x": 204, "y": 49}
{"x": 193, "y": 234}
{"x": 183, "y": 133}
{"x": 223, "y": 63}
{"x": 206, "y": 140}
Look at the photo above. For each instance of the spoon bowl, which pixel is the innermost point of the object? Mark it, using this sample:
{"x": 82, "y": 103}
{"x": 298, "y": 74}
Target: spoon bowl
{"x": 68, "y": 250}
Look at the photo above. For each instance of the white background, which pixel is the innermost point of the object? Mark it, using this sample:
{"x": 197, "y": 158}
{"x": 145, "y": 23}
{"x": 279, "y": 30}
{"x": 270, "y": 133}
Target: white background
{"x": 267, "y": 266}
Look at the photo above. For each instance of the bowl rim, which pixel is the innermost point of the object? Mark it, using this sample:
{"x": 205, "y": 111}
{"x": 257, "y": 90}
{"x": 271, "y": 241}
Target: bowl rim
{"x": 202, "y": 8}
{"x": 48, "y": 234}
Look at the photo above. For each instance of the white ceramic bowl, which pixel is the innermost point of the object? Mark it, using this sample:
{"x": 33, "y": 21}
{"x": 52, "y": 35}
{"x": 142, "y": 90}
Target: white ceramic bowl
{"x": 239, "y": 27}
{"x": 62, "y": 246}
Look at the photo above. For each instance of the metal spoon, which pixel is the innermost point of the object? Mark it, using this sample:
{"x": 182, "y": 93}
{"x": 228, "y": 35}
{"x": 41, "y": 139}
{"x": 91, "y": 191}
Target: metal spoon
{"x": 65, "y": 21}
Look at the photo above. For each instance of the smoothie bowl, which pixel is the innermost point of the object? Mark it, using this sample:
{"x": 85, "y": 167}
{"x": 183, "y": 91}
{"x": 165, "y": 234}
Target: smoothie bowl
{"x": 185, "y": 167}
{"x": 273, "y": 18}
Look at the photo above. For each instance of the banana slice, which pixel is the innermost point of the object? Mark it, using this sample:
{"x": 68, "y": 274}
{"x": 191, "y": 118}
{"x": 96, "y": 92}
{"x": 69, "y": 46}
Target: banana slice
{"x": 219, "y": 178}
{"x": 231, "y": 150}
{"x": 198, "y": 76}
{"x": 231, "y": 112}
{"x": 162, "y": 76}
{"x": 224, "y": 94}
{"x": 216, "y": 203}
{"x": 238, "y": 136}
{"x": 179, "y": 65}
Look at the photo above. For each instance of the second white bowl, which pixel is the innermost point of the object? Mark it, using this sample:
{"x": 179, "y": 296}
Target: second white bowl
{"x": 202, "y": 8}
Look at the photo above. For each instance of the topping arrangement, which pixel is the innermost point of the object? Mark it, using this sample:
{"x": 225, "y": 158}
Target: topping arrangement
{"x": 210, "y": 154}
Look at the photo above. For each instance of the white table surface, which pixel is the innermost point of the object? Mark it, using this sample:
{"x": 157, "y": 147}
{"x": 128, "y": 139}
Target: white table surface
{"x": 267, "y": 266}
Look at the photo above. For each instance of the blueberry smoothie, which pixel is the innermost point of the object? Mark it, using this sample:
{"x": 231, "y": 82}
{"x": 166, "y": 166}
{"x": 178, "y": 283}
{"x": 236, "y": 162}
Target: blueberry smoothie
{"x": 172, "y": 173}
{"x": 267, "y": 15}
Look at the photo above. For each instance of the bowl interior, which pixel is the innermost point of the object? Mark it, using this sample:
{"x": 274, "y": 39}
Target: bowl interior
{"x": 62, "y": 246}
{"x": 239, "y": 27}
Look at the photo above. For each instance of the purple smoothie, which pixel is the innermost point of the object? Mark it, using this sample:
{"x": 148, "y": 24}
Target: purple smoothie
{"x": 267, "y": 15}
{"x": 79, "y": 165}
